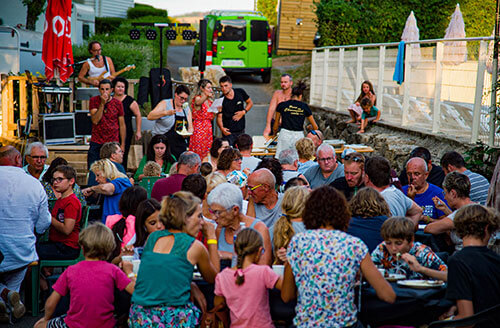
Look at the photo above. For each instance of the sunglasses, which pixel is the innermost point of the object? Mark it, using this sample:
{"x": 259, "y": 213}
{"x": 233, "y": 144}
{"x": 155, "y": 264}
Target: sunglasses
{"x": 354, "y": 158}
{"x": 254, "y": 187}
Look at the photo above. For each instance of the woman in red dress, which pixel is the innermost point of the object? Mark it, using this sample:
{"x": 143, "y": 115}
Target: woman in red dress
{"x": 201, "y": 140}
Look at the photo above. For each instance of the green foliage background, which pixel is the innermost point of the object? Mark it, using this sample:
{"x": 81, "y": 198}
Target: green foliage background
{"x": 268, "y": 8}
{"x": 342, "y": 22}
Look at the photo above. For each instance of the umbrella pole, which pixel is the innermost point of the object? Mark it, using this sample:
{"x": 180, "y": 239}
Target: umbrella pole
{"x": 494, "y": 77}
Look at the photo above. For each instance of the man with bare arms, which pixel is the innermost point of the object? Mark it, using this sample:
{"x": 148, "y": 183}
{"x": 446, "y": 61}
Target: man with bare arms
{"x": 279, "y": 96}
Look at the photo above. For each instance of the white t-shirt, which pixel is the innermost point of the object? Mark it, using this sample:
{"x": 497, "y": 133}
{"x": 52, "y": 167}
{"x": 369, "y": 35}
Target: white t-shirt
{"x": 399, "y": 203}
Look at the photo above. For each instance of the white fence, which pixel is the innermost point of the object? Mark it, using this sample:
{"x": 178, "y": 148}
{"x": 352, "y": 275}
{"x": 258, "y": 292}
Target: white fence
{"x": 437, "y": 96}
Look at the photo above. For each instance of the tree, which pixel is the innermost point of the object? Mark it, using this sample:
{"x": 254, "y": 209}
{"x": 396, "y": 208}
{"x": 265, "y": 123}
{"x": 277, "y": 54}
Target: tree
{"x": 268, "y": 8}
{"x": 35, "y": 8}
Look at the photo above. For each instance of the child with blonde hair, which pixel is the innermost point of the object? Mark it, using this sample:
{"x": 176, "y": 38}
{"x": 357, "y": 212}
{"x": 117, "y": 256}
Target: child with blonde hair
{"x": 244, "y": 287}
{"x": 152, "y": 169}
{"x": 90, "y": 283}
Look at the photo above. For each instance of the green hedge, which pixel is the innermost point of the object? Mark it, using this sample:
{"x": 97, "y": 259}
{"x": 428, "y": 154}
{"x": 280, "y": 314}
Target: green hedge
{"x": 375, "y": 21}
{"x": 140, "y": 10}
{"x": 108, "y": 25}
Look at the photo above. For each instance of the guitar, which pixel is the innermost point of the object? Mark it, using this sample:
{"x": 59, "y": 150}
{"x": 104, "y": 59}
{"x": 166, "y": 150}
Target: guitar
{"x": 101, "y": 77}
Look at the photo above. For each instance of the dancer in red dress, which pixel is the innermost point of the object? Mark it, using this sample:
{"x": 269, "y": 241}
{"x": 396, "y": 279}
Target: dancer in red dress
{"x": 201, "y": 140}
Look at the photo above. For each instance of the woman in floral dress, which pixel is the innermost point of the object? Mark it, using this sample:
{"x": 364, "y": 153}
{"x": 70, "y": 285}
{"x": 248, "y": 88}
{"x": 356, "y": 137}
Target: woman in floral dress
{"x": 201, "y": 140}
{"x": 323, "y": 263}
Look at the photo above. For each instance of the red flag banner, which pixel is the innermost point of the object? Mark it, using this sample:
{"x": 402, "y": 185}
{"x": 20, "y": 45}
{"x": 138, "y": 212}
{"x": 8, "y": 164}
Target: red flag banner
{"x": 57, "y": 52}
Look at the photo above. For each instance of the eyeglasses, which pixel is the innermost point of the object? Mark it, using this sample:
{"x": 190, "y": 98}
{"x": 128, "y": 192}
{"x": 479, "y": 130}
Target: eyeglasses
{"x": 326, "y": 159}
{"x": 182, "y": 98}
{"x": 237, "y": 159}
{"x": 97, "y": 49}
{"x": 354, "y": 158}
{"x": 314, "y": 133}
{"x": 254, "y": 187}
{"x": 217, "y": 213}
{"x": 38, "y": 157}
{"x": 58, "y": 180}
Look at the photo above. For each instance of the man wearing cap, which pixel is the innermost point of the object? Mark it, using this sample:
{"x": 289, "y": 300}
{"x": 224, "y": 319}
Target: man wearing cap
{"x": 354, "y": 175}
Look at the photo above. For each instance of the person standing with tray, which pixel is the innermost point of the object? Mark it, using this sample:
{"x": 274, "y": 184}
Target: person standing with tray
{"x": 170, "y": 116}
{"x": 292, "y": 113}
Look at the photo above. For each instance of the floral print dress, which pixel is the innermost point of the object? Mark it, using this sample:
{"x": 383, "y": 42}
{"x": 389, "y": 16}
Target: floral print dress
{"x": 201, "y": 140}
{"x": 325, "y": 264}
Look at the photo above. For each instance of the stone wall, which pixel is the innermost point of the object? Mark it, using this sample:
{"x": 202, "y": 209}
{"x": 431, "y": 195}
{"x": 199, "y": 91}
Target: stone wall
{"x": 392, "y": 142}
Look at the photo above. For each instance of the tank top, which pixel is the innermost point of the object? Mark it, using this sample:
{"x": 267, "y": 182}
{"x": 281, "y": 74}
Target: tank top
{"x": 223, "y": 245}
{"x": 95, "y": 71}
{"x": 165, "y": 123}
{"x": 164, "y": 279}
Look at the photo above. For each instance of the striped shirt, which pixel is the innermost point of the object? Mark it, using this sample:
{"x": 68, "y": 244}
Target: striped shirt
{"x": 479, "y": 186}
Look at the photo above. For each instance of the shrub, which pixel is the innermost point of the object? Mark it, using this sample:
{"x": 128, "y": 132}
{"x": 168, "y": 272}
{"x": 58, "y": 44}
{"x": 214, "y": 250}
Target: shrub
{"x": 140, "y": 10}
{"x": 337, "y": 22}
{"x": 107, "y": 25}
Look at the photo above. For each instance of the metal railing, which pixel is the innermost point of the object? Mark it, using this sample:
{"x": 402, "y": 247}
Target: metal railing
{"x": 439, "y": 95}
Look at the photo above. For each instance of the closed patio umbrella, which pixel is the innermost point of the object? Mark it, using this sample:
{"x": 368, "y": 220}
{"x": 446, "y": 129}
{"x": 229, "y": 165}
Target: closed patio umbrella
{"x": 455, "y": 52}
{"x": 411, "y": 33}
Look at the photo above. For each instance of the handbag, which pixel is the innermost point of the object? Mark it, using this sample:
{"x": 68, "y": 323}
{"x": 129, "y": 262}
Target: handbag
{"x": 218, "y": 317}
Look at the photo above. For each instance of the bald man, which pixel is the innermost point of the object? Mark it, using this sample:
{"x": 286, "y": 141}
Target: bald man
{"x": 24, "y": 210}
{"x": 421, "y": 191}
{"x": 265, "y": 202}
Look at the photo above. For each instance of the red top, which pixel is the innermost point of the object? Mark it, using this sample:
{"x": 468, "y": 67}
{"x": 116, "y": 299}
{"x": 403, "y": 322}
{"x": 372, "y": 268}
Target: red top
{"x": 108, "y": 128}
{"x": 68, "y": 207}
{"x": 167, "y": 186}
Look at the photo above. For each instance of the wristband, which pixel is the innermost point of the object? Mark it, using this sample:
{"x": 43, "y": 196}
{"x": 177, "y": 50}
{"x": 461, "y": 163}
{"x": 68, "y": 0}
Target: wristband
{"x": 211, "y": 241}
{"x": 131, "y": 275}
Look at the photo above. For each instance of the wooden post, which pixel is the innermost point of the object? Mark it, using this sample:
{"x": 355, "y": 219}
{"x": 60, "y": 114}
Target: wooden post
{"x": 339, "y": 81}
{"x": 438, "y": 81}
{"x": 476, "y": 114}
{"x": 35, "y": 105}
{"x": 23, "y": 107}
{"x": 5, "y": 105}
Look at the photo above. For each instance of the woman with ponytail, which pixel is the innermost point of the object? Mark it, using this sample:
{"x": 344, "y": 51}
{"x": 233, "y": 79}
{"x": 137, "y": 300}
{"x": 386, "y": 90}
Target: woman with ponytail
{"x": 292, "y": 114}
{"x": 244, "y": 287}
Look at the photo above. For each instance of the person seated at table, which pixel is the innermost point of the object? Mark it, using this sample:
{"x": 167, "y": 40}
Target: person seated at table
{"x": 66, "y": 216}
{"x": 305, "y": 149}
{"x": 423, "y": 192}
{"x": 205, "y": 169}
{"x": 53, "y": 195}
{"x": 112, "y": 184}
{"x": 369, "y": 211}
{"x": 163, "y": 285}
{"x": 225, "y": 202}
{"x": 152, "y": 169}
{"x": 147, "y": 221}
{"x": 218, "y": 145}
{"x": 123, "y": 224}
{"x": 91, "y": 284}
{"x": 213, "y": 180}
{"x": 289, "y": 223}
{"x": 354, "y": 174}
{"x": 273, "y": 165}
{"x": 474, "y": 272}
{"x": 289, "y": 164}
{"x": 244, "y": 143}
{"x": 294, "y": 182}
{"x": 244, "y": 287}
{"x": 229, "y": 160}
{"x": 436, "y": 174}
{"x": 370, "y": 113}
{"x": 35, "y": 155}
{"x": 159, "y": 152}
{"x": 264, "y": 200}
{"x": 323, "y": 263}
{"x": 400, "y": 254}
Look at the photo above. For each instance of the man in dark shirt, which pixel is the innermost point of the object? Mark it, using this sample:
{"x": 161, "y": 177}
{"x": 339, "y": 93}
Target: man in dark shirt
{"x": 436, "y": 174}
{"x": 236, "y": 103}
{"x": 474, "y": 272}
{"x": 354, "y": 171}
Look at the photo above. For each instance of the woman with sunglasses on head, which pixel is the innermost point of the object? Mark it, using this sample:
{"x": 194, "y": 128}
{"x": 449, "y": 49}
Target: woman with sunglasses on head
{"x": 229, "y": 161}
{"x": 170, "y": 116}
{"x": 292, "y": 114}
{"x": 225, "y": 203}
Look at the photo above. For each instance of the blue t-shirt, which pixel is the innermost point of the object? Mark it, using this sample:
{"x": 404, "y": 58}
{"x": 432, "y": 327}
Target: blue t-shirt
{"x": 424, "y": 200}
{"x": 373, "y": 113}
{"x": 367, "y": 229}
{"x": 110, "y": 206}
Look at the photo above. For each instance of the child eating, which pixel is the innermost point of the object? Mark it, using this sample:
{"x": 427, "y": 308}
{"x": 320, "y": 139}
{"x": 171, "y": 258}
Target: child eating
{"x": 400, "y": 254}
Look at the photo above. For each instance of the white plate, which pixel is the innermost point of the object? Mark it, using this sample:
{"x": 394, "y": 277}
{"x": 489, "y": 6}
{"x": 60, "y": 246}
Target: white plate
{"x": 395, "y": 277}
{"x": 356, "y": 146}
{"x": 232, "y": 62}
{"x": 421, "y": 284}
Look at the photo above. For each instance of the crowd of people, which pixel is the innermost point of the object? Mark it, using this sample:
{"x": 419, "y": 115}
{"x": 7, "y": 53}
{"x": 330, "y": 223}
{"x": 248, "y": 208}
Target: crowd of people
{"x": 230, "y": 219}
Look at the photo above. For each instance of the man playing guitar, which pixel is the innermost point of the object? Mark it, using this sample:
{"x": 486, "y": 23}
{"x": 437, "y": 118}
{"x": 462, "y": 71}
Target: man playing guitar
{"x": 96, "y": 65}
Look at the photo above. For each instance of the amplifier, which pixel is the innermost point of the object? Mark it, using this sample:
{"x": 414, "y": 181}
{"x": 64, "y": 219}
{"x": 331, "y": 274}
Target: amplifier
{"x": 58, "y": 128}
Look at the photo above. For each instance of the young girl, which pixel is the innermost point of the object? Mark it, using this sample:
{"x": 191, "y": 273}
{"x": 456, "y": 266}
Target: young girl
{"x": 244, "y": 287}
{"x": 370, "y": 113}
{"x": 355, "y": 109}
{"x": 90, "y": 283}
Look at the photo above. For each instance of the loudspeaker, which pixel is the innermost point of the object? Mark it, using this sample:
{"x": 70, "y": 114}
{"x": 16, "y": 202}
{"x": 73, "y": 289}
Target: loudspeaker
{"x": 83, "y": 123}
{"x": 143, "y": 93}
{"x": 160, "y": 87}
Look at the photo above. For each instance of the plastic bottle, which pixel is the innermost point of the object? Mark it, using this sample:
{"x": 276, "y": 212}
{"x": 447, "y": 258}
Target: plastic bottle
{"x": 234, "y": 260}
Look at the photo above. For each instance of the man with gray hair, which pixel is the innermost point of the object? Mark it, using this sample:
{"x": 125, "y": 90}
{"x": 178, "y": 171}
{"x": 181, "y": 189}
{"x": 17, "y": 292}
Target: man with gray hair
{"x": 265, "y": 201}
{"x": 189, "y": 163}
{"x": 289, "y": 160}
{"x": 225, "y": 202}
{"x": 24, "y": 210}
{"x": 421, "y": 191}
{"x": 36, "y": 155}
{"x": 327, "y": 170}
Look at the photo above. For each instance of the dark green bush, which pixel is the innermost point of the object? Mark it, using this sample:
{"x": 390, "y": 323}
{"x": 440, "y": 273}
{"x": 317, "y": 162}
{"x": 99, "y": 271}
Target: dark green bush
{"x": 140, "y": 10}
{"x": 338, "y": 22}
{"x": 108, "y": 25}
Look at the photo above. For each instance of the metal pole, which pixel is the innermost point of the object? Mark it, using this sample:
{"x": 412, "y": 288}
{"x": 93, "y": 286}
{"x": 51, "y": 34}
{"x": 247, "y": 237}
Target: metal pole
{"x": 494, "y": 78}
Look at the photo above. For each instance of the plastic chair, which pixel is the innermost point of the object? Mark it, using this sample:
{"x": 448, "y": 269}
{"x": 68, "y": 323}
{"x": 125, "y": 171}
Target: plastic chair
{"x": 36, "y": 267}
{"x": 147, "y": 183}
{"x": 489, "y": 316}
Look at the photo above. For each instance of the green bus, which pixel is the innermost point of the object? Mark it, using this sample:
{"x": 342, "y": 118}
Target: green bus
{"x": 240, "y": 42}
